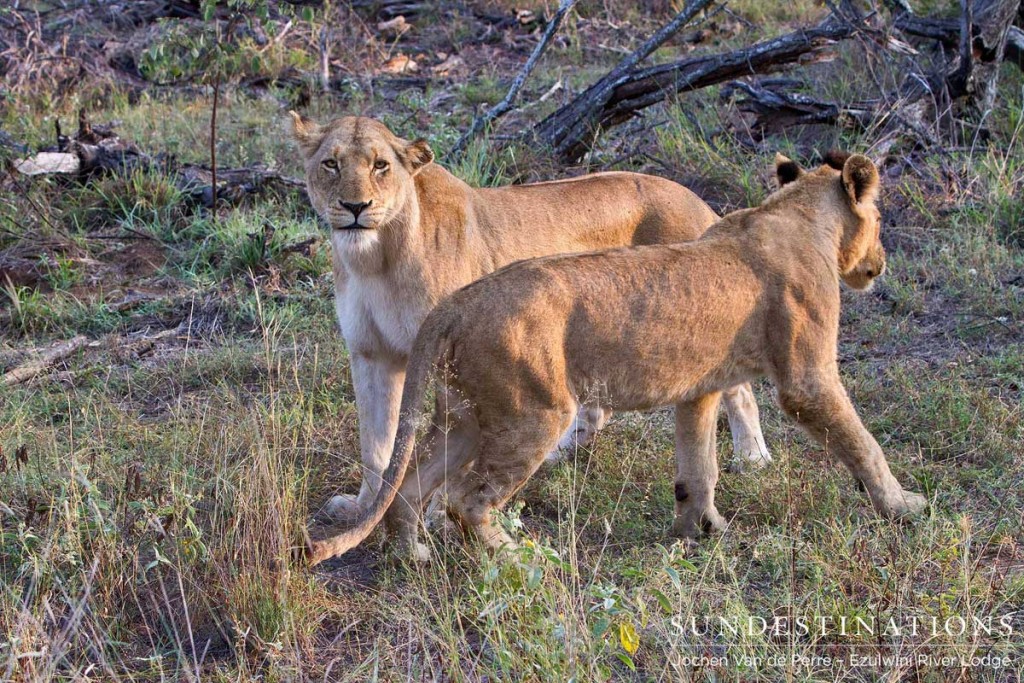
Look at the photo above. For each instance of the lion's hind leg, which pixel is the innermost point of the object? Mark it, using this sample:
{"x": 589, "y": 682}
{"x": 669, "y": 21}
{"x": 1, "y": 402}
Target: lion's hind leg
{"x": 508, "y": 454}
{"x": 449, "y": 445}
{"x": 749, "y": 448}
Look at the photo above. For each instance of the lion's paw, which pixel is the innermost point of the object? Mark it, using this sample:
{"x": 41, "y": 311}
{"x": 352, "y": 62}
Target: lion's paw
{"x": 904, "y": 505}
{"x": 693, "y": 523}
{"x": 750, "y": 461}
{"x": 418, "y": 553}
{"x": 342, "y": 507}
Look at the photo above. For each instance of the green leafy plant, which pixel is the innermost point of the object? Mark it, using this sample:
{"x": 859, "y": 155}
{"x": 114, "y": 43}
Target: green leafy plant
{"x": 215, "y": 55}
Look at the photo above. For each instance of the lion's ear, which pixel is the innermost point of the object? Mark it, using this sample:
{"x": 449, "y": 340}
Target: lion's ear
{"x": 786, "y": 170}
{"x": 306, "y": 132}
{"x": 860, "y": 179}
{"x": 418, "y": 154}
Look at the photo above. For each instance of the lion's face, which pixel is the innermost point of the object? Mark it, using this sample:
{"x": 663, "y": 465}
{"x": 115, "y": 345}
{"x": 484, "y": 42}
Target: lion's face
{"x": 359, "y": 175}
{"x": 862, "y": 256}
{"x": 864, "y": 272}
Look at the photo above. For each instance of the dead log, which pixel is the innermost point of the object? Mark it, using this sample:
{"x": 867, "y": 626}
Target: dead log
{"x": 775, "y": 107}
{"x": 1014, "y": 51}
{"x": 947, "y": 32}
{"x": 967, "y": 75}
{"x": 44, "y": 361}
{"x": 987, "y": 45}
{"x": 97, "y": 150}
{"x": 571, "y": 130}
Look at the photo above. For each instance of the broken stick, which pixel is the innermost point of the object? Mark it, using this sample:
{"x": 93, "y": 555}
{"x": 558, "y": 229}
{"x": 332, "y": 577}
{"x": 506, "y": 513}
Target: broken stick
{"x": 506, "y": 104}
{"x": 46, "y": 360}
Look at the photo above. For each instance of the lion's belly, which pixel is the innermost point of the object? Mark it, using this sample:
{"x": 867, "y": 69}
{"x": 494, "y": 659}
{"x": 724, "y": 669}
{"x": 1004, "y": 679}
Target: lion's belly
{"x": 375, "y": 319}
{"x": 634, "y": 389}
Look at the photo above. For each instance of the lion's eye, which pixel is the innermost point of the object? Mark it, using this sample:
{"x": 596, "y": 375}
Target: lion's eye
{"x": 380, "y": 165}
{"x": 330, "y": 164}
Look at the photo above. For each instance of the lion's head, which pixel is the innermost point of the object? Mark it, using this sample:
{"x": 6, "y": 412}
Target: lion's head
{"x": 359, "y": 174}
{"x": 861, "y": 254}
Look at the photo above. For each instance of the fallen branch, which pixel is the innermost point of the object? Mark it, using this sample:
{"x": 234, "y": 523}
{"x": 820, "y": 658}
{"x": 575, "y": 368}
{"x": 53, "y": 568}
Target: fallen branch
{"x": 96, "y": 150}
{"x": 506, "y": 105}
{"x": 775, "y": 108}
{"x": 44, "y": 361}
{"x": 571, "y": 130}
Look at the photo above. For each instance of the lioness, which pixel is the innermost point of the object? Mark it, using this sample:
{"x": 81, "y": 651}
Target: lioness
{"x": 641, "y": 327}
{"x": 406, "y": 233}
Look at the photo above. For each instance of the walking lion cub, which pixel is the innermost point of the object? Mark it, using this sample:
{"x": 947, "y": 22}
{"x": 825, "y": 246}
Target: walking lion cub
{"x": 637, "y": 328}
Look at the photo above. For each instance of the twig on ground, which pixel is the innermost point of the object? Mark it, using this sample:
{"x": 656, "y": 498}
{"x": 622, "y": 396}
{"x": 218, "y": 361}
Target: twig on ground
{"x": 213, "y": 148}
{"x": 507, "y": 104}
{"x": 44, "y": 361}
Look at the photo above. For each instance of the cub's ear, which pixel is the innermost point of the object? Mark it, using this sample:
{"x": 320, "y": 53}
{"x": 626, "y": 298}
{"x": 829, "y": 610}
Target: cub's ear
{"x": 786, "y": 170}
{"x": 306, "y": 132}
{"x": 418, "y": 154}
{"x": 860, "y": 179}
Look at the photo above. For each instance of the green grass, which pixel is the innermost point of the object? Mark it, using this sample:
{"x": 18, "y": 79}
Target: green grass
{"x": 153, "y": 486}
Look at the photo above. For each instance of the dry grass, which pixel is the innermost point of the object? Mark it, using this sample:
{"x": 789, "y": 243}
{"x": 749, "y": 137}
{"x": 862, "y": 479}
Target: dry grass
{"x": 151, "y": 487}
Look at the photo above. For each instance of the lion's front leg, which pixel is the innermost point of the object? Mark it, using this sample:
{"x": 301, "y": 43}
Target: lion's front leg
{"x": 696, "y": 468}
{"x": 378, "y": 385}
{"x": 822, "y": 407}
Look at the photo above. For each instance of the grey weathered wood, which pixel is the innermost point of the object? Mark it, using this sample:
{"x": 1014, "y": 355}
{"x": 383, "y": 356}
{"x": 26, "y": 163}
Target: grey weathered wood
{"x": 775, "y": 107}
{"x": 101, "y": 152}
{"x": 43, "y": 361}
{"x": 571, "y": 130}
{"x": 573, "y": 127}
{"x": 506, "y": 105}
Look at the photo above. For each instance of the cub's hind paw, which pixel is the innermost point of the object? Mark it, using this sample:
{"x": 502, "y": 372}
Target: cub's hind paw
{"x": 692, "y": 524}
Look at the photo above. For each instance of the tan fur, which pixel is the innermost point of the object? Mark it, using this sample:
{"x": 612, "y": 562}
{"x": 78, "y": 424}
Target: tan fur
{"x": 427, "y": 233}
{"x": 636, "y": 328}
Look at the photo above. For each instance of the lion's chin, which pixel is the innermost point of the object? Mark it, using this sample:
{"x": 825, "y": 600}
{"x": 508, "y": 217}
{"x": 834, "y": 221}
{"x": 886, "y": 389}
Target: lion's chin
{"x": 860, "y": 283}
{"x": 354, "y": 239}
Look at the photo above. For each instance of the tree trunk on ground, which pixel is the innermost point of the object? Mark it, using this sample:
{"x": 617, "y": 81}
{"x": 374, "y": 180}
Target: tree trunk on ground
{"x": 984, "y": 37}
{"x": 97, "y": 150}
{"x": 571, "y": 130}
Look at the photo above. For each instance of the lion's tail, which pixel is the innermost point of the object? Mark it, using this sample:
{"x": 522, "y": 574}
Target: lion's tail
{"x": 427, "y": 349}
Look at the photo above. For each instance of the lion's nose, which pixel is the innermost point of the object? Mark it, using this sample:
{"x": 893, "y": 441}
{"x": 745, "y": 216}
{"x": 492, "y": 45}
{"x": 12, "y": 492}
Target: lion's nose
{"x": 357, "y": 207}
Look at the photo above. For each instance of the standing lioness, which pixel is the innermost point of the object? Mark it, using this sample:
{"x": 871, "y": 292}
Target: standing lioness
{"x": 644, "y": 327}
{"x": 406, "y": 233}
